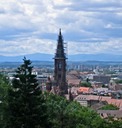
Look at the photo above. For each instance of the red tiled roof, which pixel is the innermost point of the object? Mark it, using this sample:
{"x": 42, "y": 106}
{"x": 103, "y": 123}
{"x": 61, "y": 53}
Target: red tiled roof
{"x": 84, "y": 89}
{"x": 117, "y": 102}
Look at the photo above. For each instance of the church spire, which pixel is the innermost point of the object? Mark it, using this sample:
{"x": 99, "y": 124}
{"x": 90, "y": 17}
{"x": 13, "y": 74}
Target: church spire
{"x": 60, "y": 47}
{"x": 60, "y": 32}
{"x": 60, "y": 66}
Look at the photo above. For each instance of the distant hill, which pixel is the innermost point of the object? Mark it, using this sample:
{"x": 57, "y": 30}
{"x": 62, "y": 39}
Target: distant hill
{"x": 49, "y": 57}
{"x": 32, "y": 57}
{"x": 95, "y": 57}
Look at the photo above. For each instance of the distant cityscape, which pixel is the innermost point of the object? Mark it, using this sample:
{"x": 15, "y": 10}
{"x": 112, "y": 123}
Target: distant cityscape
{"x": 91, "y": 83}
{"x": 103, "y": 77}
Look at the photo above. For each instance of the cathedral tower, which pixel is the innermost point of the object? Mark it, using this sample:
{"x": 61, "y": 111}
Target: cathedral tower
{"x": 60, "y": 66}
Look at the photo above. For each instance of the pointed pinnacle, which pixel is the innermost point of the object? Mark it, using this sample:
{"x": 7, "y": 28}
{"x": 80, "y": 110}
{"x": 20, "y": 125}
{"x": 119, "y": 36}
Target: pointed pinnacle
{"x": 60, "y": 31}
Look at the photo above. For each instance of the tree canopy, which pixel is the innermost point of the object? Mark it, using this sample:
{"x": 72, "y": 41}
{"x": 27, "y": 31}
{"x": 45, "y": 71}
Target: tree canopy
{"x": 118, "y": 81}
{"x": 26, "y": 103}
{"x": 4, "y": 86}
{"x": 85, "y": 84}
{"x": 66, "y": 114}
{"x": 109, "y": 107}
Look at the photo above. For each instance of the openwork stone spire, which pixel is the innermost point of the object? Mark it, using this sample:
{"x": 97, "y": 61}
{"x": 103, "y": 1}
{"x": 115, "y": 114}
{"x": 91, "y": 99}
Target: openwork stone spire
{"x": 60, "y": 66}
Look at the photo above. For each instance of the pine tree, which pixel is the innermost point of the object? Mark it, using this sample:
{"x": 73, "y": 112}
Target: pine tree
{"x": 26, "y": 103}
{"x": 4, "y": 86}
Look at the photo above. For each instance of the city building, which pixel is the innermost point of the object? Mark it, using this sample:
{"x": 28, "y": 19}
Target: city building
{"x": 102, "y": 78}
{"x": 115, "y": 114}
{"x": 73, "y": 78}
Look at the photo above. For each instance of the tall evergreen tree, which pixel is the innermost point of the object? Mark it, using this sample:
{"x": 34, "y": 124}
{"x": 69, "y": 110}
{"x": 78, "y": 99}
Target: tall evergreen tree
{"x": 26, "y": 103}
{"x": 4, "y": 86}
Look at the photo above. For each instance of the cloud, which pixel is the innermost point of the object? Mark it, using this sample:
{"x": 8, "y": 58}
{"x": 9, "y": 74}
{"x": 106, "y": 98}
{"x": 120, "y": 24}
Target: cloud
{"x": 89, "y": 26}
{"x": 109, "y": 47}
{"x": 32, "y": 45}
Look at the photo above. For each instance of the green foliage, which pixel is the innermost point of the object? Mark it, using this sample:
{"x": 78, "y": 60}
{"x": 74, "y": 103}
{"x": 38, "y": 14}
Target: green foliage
{"x": 109, "y": 107}
{"x": 56, "y": 110}
{"x": 85, "y": 84}
{"x": 26, "y": 103}
{"x": 115, "y": 124}
{"x": 4, "y": 86}
{"x": 65, "y": 114}
{"x": 87, "y": 80}
{"x": 118, "y": 81}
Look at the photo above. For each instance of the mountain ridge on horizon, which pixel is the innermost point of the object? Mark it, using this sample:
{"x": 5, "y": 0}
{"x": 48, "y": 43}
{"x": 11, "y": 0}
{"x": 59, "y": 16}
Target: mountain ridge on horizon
{"x": 75, "y": 57}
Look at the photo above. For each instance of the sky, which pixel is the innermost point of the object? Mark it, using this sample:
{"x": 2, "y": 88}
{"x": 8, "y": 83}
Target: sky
{"x": 88, "y": 26}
